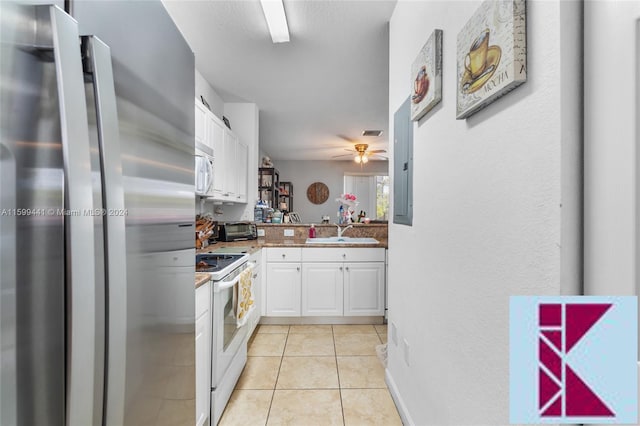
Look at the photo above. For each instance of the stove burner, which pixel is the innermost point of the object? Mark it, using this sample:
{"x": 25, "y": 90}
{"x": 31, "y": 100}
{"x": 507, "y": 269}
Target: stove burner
{"x": 214, "y": 262}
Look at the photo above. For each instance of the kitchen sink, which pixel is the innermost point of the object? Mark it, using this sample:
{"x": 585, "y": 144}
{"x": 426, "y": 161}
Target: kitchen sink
{"x": 342, "y": 240}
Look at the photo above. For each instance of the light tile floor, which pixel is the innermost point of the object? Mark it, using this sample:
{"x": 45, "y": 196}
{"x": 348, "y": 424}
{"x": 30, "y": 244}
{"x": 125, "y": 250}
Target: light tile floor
{"x": 313, "y": 375}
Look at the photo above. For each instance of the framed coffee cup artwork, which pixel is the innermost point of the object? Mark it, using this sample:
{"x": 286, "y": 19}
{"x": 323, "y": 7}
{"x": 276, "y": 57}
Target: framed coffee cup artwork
{"x": 426, "y": 77}
{"x": 491, "y": 54}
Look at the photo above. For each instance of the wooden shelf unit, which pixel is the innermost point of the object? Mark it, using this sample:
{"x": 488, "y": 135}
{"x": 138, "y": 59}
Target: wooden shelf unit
{"x": 286, "y": 195}
{"x": 269, "y": 185}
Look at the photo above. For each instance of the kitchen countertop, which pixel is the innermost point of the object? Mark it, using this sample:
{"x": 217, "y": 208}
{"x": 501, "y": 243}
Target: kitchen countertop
{"x": 201, "y": 278}
{"x": 252, "y": 246}
{"x": 255, "y": 245}
{"x": 302, "y": 243}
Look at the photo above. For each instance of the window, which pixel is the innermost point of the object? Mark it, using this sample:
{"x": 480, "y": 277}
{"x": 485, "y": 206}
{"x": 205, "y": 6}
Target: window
{"x": 372, "y": 192}
{"x": 382, "y": 197}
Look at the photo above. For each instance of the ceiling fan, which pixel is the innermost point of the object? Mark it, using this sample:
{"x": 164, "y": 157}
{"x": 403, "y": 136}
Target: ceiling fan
{"x": 362, "y": 153}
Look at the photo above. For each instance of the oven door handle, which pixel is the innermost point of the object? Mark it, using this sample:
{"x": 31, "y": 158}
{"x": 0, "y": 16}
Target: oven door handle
{"x": 225, "y": 285}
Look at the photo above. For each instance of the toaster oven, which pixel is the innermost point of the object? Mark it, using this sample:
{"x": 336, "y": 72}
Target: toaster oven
{"x": 237, "y": 231}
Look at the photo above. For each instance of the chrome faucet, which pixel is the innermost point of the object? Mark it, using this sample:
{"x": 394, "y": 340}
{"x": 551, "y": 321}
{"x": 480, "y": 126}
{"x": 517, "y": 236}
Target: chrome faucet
{"x": 341, "y": 230}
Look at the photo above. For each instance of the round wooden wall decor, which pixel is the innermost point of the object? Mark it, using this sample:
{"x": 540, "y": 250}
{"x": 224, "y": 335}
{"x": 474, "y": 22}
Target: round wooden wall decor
{"x": 318, "y": 193}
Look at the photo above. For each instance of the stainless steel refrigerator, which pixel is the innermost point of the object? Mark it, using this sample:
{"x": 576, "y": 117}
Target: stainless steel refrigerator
{"x": 96, "y": 216}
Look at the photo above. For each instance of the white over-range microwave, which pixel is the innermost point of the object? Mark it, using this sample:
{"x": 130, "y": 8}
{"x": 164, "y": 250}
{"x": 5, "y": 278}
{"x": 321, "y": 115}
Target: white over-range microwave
{"x": 204, "y": 170}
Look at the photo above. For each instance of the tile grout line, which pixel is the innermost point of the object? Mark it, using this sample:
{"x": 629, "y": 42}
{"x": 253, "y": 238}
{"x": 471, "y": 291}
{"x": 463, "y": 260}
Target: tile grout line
{"x": 333, "y": 335}
{"x": 335, "y": 352}
{"x": 275, "y": 385}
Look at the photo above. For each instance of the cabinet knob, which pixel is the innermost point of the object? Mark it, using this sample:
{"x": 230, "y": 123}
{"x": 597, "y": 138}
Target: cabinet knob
{"x": 284, "y": 255}
{"x": 341, "y": 268}
{"x": 298, "y": 269}
{"x": 344, "y": 256}
{"x": 347, "y": 268}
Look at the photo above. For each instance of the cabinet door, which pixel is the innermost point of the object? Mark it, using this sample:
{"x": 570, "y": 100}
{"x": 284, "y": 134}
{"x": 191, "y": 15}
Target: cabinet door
{"x": 242, "y": 168}
{"x": 203, "y": 357}
{"x": 230, "y": 175}
{"x": 201, "y": 123}
{"x": 322, "y": 289}
{"x": 216, "y": 138}
{"x": 283, "y": 289}
{"x": 257, "y": 290}
{"x": 364, "y": 288}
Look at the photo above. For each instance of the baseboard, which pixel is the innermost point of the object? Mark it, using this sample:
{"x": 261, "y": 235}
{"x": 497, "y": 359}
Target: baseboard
{"x": 402, "y": 409}
{"x": 321, "y": 320}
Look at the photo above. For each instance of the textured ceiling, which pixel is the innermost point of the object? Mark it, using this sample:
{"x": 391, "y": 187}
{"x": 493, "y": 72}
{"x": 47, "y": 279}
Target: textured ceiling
{"x": 316, "y": 92}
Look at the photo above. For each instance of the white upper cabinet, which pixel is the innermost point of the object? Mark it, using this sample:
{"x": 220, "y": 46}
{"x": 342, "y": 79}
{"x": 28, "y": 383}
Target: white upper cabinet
{"x": 242, "y": 159}
{"x": 216, "y": 130}
{"x": 230, "y": 156}
{"x": 230, "y": 175}
{"x": 201, "y": 123}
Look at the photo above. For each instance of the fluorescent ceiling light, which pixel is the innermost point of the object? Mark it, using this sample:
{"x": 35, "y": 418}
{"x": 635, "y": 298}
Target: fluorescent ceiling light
{"x": 276, "y": 20}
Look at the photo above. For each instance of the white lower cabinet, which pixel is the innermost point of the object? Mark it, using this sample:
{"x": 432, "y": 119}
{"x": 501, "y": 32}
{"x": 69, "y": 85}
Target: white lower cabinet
{"x": 326, "y": 282}
{"x": 203, "y": 352}
{"x": 322, "y": 289}
{"x": 364, "y": 288}
{"x": 256, "y": 278}
{"x": 283, "y": 289}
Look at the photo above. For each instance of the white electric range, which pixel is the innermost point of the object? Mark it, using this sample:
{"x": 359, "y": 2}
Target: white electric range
{"x": 228, "y": 341}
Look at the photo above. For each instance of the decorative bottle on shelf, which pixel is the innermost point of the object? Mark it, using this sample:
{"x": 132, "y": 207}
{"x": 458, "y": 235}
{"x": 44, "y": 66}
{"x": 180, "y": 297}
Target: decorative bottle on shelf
{"x": 312, "y": 231}
{"x": 340, "y": 215}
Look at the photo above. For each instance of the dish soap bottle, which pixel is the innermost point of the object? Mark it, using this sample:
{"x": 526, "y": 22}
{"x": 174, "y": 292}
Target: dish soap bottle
{"x": 312, "y": 231}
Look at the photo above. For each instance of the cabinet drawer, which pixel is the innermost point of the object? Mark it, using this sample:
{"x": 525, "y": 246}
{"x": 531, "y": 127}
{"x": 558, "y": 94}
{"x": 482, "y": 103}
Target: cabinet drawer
{"x": 256, "y": 257}
{"x": 203, "y": 293}
{"x": 342, "y": 254}
{"x": 284, "y": 254}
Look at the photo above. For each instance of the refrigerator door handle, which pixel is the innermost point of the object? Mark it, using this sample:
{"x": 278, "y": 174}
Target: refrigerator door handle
{"x": 98, "y": 56}
{"x": 8, "y": 272}
{"x": 98, "y": 63}
{"x": 79, "y": 236}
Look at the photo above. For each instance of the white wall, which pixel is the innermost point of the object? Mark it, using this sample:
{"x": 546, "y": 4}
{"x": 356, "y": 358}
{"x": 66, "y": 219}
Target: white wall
{"x": 496, "y": 213}
{"x": 612, "y": 156}
{"x": 304, "y": 173}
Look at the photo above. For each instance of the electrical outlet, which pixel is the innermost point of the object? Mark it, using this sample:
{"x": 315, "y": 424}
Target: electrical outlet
{"x": 406, "y": 351}
{"x": 260, "y": 232}
{"x": 288, "y": 233}
{"x": 394, "y": 334}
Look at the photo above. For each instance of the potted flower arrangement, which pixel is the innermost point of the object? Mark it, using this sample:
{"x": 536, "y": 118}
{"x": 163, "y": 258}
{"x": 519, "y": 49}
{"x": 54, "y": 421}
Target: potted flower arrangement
{"x": 348, "y": 203}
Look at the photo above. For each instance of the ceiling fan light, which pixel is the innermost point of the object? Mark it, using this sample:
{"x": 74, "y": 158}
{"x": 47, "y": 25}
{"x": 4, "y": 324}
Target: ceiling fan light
{"x": 365, "y": 159}
{"x": 357, "y": 159}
